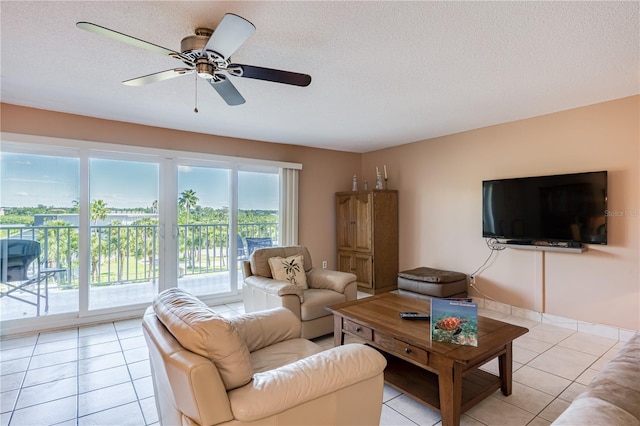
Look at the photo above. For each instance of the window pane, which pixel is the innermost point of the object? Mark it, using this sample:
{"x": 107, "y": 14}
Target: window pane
{"x": 203, "y": 230}
{"x": 124, "y": 232}
{"x": 258, "y": 212}
{"x": 39, "y": 229}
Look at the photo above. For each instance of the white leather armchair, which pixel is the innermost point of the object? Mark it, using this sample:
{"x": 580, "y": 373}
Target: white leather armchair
{"x": 254, "y": 369}
{"x": 326, "y": 287}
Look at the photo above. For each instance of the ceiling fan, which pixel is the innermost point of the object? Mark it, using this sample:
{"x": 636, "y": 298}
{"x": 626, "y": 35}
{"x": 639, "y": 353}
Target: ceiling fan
{"x": 208, "y": 54}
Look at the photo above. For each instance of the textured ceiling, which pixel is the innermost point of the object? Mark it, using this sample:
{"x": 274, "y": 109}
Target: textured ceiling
{"x": 384, "y": 73}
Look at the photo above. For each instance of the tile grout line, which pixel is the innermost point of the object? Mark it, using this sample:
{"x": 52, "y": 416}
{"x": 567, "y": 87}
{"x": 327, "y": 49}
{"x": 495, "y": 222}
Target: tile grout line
{"x": 24, "y": 377}
{"x": 135, "y": 391}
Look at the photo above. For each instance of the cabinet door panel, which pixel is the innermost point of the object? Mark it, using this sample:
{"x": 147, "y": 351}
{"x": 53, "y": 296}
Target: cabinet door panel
{"x": 345, "y": 222}
{"x": 345, "y": 262}
{"x": 364, "y": 270}
{"x": 363, "y": 224}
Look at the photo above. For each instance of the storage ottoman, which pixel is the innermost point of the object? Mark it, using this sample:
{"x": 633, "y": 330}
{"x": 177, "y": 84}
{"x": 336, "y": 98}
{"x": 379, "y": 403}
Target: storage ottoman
{"x": 430, "y": 282}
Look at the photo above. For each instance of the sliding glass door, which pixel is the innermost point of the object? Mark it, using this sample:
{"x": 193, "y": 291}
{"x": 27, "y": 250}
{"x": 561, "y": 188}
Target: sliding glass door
{"x": 258, "y": 211}
{"x": 123, "y": 232}
{"x": 203, "y": 223}
{"x": 115, "y": 227}
{"x": 39, "y": 196}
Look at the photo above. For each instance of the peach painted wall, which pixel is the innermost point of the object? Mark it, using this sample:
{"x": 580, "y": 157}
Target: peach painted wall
{"x": 324, "y": 172}
{"x": 439, "y": 183}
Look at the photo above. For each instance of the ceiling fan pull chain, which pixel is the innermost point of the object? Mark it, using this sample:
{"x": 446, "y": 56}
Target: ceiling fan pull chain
{"x": 196, "y": 90}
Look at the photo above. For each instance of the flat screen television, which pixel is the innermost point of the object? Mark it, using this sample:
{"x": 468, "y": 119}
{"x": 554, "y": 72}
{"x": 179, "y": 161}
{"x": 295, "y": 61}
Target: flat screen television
{"x": 568, "y": 208}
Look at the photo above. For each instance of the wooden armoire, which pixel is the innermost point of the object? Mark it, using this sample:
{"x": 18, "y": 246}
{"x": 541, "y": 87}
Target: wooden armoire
{"x": 367, "y": 238}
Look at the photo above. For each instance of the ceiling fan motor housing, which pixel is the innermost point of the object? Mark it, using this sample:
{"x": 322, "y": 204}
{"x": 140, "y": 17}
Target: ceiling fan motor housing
{"x": 206, "y": 62}
{"x": 196, "y": 42}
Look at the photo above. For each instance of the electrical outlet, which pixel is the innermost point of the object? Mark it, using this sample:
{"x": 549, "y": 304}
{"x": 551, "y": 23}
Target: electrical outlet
{"x": 472, "y": 280}
{"x": 324, "y": 264}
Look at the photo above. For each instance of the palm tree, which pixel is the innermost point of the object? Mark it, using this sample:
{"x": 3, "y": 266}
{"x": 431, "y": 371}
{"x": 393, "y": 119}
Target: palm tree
{"x": 187, "y": 200}
{"x": 99, "y": 211}
{"x": 149, "y": 243}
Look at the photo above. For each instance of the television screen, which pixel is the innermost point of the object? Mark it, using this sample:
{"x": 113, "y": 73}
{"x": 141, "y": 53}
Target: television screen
{"x": 558, "y": 208}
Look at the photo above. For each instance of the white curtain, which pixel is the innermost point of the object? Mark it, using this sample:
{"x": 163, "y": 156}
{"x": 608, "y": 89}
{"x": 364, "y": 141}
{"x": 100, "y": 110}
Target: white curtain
{"x": 289, "y": 206}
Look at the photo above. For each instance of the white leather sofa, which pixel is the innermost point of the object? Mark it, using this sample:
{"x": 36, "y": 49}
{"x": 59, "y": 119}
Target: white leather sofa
{"x": 326, "y": 287}
{"x": 254, "y": 369}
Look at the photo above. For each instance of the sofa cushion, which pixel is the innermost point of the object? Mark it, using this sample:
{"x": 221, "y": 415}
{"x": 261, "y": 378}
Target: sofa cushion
{"x": 200, "y": 330}
{"x": 289, "y": 269}
{"x": 283, "y": 353}
{"x": 315, "y": 301}
{"x": 267, "y": 327}
{"x": 259, "y": 259}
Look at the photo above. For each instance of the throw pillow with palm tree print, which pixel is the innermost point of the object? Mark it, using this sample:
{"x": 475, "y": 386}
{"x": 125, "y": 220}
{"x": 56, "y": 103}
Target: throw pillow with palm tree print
{"x": 289, "y": 269}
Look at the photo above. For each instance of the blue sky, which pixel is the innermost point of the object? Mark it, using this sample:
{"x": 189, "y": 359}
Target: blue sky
{"x": 30, "y": 180}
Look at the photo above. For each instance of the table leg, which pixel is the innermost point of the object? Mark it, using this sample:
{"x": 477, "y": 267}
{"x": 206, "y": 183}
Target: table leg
{"x": 450, "y": 390}
{"x": 505, "y": 366}
{"x": 338, "y": 334}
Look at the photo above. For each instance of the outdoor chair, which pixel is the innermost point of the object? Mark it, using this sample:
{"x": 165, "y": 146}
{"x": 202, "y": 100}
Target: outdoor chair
{"x": 242, "y": 254}
{"x": 20, "y": 272}
{"x": 255, "y": 243}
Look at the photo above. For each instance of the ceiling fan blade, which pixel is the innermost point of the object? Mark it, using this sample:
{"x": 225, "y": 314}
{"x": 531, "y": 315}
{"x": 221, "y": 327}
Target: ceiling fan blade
{"x": 227, "y": 91}
{"x": 158, "y": 76}
{"x": 88, "y": 26}
{"x": 229, "y": 35}
{"x": 268, "y": 74}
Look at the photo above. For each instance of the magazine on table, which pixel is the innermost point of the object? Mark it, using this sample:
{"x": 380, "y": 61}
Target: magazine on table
{"x": 454, "y": 321}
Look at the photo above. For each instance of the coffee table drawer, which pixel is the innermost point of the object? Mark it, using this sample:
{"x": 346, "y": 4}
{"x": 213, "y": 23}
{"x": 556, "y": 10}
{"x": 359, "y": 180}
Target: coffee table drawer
{"x": 358, "y": 330}
{"x": 411, "y": 351}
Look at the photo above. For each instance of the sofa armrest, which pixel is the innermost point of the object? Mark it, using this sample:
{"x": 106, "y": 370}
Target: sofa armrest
{"x": 312, "y": 377}
{"x": 329, "y": 280}
{"x": 265, "y": 328}
{"x": 271, "y": 286}
{"x": 246, "y": 269}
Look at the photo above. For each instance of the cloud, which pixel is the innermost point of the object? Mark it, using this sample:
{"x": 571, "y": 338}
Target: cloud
{"x": 33, "y": 180}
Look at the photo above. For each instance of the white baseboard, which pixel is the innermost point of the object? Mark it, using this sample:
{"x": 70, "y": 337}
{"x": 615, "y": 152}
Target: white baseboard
{"x": 602, "y": 330}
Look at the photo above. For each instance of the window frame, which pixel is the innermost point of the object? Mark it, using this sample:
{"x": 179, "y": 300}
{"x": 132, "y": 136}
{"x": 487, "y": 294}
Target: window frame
{"x": 168, "y": 161}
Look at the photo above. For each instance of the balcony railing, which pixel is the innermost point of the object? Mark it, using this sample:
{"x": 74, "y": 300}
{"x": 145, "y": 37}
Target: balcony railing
{"x": 121, "y": 254}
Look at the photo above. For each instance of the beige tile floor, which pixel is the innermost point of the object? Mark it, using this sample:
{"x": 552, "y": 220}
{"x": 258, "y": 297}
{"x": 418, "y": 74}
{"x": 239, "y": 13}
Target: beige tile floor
{"x": 99, "y": 375}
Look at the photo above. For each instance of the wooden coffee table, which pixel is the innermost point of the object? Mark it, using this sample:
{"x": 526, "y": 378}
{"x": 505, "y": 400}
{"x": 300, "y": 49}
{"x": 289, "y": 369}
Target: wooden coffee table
{"x": 444, "y": 376}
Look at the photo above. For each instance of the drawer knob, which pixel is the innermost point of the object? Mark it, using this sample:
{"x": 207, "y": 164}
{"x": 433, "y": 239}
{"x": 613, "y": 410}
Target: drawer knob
{"x": 358, "y": 329}
{"x": 407, "y": 350}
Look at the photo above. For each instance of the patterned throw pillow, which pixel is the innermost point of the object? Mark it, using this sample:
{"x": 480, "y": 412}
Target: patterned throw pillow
{"x": 289, "y": 269}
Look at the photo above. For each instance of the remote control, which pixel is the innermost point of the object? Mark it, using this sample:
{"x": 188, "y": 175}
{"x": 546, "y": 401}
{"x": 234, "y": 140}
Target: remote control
{"x": 414, "y": 316}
